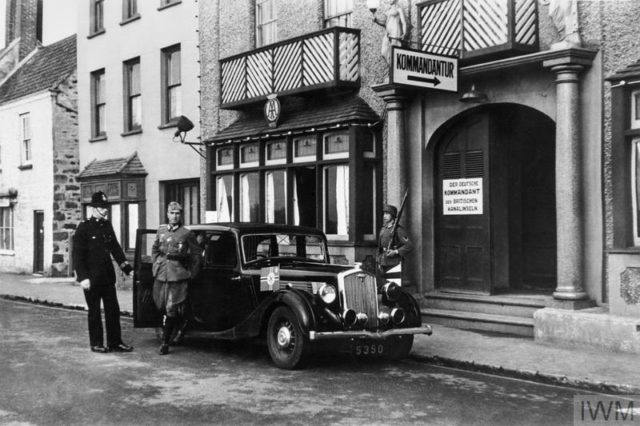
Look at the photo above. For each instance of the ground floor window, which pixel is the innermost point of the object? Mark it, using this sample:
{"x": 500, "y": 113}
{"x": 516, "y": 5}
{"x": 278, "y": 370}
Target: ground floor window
{"x": 327, "y": 180}
{"x": 187, "y": 193}
{"x": 276, "y": 196}
{"x": 224, "y": 198}
{"x": 6, "y": 228}
{"x": 250, "y": 197}
{"x": 336, "y": 200}
{"x": 635, "y": 189}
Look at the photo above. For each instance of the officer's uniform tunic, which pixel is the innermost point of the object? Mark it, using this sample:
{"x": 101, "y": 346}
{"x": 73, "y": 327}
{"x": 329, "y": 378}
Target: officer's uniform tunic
{"x": 94, "y": 242}
{"x": 175, "y": 256}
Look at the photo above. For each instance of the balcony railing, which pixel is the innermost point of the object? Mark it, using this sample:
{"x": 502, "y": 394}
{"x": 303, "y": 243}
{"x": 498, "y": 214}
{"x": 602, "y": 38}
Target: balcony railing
{"x": 478, "y": 30}
{"x": 320, "y": 60}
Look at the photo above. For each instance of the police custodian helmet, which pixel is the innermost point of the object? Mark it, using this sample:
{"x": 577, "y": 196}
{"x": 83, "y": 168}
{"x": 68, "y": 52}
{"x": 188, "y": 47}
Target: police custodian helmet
{"x": 99, "y": 199}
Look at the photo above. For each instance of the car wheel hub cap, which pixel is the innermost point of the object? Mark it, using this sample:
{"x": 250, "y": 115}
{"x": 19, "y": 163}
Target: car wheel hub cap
{"x": 284, "y": 337}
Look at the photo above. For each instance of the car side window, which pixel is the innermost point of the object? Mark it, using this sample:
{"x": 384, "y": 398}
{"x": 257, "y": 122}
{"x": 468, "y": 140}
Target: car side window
{"x": 220, "y": 250}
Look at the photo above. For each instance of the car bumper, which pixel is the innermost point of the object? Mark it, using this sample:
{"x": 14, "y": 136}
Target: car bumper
{"x": 364, "y": 334}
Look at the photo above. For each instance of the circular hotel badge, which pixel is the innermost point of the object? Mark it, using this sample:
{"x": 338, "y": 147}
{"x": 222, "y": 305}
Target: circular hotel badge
{"x": 272, "y": 110}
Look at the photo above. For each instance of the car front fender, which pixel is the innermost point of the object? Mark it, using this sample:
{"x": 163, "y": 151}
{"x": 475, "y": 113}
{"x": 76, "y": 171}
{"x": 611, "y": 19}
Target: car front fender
{"x": 300, "y": 303}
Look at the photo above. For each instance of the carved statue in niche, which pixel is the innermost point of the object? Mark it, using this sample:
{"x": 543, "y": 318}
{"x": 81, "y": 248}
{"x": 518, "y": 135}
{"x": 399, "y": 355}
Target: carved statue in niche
{"x": 564, "y": 14}
{"x": 395, "y": 24}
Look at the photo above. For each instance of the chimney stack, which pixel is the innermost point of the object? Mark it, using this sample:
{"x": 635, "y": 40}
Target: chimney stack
{"x": 24, "y": 21}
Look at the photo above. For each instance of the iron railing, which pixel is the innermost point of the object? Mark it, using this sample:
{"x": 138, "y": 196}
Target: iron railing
{"x": 327, "y": 58}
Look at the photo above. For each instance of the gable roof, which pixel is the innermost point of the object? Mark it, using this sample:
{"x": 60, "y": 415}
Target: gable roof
{"x": 130, "y": 166}
{"x": 44, "y": 70}
{"x": 324, "y": 113}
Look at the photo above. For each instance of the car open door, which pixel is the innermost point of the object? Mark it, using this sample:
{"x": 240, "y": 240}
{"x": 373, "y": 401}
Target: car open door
{"x": 145, "y": 313}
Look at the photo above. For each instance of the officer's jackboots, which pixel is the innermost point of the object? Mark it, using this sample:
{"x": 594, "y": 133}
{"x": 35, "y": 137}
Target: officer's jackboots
{"x": 169, "y": 323}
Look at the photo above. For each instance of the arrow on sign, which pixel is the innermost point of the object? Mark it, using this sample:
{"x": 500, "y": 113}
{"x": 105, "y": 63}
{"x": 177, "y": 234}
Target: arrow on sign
{"x": 433, "y": 80}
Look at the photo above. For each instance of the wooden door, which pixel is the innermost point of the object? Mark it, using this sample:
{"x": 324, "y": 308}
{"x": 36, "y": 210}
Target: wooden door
{"x": 463, "y": 246}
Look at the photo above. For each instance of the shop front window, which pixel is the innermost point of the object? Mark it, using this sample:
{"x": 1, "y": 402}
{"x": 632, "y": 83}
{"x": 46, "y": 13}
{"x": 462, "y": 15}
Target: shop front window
{"x": 304, "y": 196}
{"x": 224, "y": 198}
{"x": 276, "y": 196}
{"x": 250, "y": 197}
{"x": 336, "y": 200}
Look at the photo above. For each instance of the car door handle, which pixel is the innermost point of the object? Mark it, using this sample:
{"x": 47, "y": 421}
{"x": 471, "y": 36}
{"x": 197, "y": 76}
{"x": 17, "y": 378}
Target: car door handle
{"x": 236, "y": 278}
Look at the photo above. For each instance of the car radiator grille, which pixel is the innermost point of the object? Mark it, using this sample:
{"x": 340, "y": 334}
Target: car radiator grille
{"x": 360, "y": 294}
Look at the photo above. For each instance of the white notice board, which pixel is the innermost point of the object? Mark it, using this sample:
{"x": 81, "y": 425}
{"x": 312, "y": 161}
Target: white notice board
{"x": 462, "y": 196}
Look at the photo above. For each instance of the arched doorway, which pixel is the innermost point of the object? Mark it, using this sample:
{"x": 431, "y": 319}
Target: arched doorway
{"x": 494, "y": 194}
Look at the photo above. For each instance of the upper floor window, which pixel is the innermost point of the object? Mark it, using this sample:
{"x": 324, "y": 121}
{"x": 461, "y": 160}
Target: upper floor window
{"x": 97, "y": 16}
{"x": 132, "y": 96}
{"x": 337, "y": 13}
{"x": 129, "y": 9}
{"x": 171, "y": 84}
{"x": 266, "y": 22}
{"x": 98, "y": 104}
{"x": 26, "y": 152}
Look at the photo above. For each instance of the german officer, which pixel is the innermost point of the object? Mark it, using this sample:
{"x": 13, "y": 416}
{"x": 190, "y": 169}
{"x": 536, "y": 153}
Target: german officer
{"x": 392, "y": 246}
{"x": 94, "y": 242}
{"x": 176, "y": 257}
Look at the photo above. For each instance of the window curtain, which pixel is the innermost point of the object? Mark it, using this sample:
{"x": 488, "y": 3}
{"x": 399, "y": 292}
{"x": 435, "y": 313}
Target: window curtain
{"x": 270, "y": 198}
{"x": 342, "y": 199}
{"x": 296, "y": 208}
{"x": 224, "y": 215}
{"x": 245, "y": 199}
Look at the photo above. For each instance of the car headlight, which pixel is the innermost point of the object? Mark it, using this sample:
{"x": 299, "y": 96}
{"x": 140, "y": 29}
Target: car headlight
{"x": 327, "y": 293}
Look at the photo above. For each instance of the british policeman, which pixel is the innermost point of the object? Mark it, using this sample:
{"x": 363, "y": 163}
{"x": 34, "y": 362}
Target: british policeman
{"x": 94, "y": 245}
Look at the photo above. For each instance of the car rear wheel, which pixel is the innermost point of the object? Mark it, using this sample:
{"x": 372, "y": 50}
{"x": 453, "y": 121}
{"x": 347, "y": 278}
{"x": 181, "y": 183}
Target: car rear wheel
{"x": 287, "y": 344}
{"x": 399, "y": 346}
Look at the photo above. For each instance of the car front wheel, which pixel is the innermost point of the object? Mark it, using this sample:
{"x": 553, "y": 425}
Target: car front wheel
{"x": 287, "y": 344}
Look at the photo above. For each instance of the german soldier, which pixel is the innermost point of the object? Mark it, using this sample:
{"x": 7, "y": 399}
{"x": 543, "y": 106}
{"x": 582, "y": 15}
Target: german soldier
{"x": 176, "y": 258}
{"x": 392, "y": 246}
{"x": 94, "y": 243}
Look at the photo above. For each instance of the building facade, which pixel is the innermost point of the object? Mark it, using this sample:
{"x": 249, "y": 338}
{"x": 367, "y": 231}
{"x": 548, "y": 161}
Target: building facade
{"x": 522, "y": 189}
{"x": 130, "y": 100}
{"x": 39, "y": 196}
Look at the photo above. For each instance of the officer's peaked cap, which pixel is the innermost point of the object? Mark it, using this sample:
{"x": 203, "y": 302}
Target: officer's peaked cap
{"x": 392, "y": 210}
{"x": 99, "y": 199}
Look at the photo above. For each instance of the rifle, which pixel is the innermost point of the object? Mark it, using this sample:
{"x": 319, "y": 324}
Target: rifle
{"x": 397, "y": 220}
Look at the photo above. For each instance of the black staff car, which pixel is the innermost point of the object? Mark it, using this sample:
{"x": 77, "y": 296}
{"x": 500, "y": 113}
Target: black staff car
{"x": 275, "y": 282}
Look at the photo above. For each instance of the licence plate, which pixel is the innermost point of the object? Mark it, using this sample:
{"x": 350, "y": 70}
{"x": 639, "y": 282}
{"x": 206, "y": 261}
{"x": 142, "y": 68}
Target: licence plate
{"x": 368, "y": 349}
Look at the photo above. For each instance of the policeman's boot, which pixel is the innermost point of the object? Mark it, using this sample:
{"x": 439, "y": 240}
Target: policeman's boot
{"x": 167, "y": 329}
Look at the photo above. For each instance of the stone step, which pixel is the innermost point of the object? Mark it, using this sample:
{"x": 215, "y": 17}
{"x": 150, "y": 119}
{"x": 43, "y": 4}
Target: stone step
{"x": 509, "y": 305}
{"x": 479, "y": 321}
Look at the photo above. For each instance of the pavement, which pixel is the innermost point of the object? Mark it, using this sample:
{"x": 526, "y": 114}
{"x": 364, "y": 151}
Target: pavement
{"x": 582, "y": 367}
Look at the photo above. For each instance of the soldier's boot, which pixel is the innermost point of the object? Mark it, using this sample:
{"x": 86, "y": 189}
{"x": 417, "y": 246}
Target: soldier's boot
{"x": 167, "y": 329}
{"x": 180, "y": 328}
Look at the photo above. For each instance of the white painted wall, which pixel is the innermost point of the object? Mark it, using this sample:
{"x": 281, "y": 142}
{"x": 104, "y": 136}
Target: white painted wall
{"x": 144, "y": 38}
{"x": 35, "y": 185}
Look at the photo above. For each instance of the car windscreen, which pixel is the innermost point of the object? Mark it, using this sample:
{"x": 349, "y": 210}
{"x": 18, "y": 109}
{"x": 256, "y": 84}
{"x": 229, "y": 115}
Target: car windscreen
{"x": 300, "y": 246}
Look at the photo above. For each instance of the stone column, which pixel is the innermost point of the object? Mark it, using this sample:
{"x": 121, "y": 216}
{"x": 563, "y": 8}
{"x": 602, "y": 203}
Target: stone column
{"x": 569, "y": 292}
{"x": 395, "y": 162}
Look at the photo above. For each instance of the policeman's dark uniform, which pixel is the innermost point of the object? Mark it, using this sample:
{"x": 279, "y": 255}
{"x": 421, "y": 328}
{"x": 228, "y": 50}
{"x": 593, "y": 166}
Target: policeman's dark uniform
{"x": 94, "y": 242}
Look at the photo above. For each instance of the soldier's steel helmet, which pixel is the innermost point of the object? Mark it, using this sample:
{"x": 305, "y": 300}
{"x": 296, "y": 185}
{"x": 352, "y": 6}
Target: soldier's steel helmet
{"x": 392, "y": 210}
{"x": 99, "y": 199}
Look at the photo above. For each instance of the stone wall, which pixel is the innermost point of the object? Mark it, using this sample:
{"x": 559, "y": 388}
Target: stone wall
{"x": 67, "y": 209}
